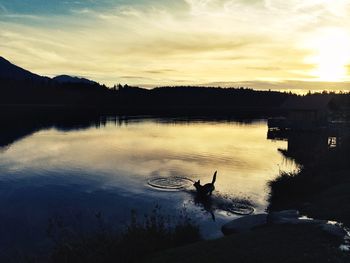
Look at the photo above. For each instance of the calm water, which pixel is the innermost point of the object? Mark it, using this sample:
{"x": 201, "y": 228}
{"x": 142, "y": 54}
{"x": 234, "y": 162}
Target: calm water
{"x": 77, "y": 173}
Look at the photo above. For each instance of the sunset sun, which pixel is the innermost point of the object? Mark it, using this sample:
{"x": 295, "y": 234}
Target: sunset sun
{"x": 332, "y": 55}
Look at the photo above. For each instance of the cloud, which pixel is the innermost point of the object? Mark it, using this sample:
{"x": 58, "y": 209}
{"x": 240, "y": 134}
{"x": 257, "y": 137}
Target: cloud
{"x": 203, "y": 41}
{"x": 185, "y": 45}
{"x": 3, "y": 9}
{"x": 268, "y": 68}
{"x": 159, "y": 71}
{"x": 287, "y": 85}
{"x": 135, "y": 77}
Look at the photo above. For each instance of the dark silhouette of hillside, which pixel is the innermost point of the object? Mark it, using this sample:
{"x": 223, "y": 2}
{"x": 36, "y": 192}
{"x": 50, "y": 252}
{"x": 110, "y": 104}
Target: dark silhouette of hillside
{"x": 199, "y": 100}
{"x": 11, "y": 71}
{"x": 21, "y": 87}
{"x": 70, "y": 79}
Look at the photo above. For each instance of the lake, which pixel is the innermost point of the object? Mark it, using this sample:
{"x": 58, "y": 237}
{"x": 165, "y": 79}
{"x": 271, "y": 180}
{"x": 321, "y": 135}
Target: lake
{"x": 107, "y": 167}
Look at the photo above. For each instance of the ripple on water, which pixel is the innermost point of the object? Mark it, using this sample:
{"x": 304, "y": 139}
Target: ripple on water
{"x": 219, "y": 202}
{"x": 172, "y": 183}
{"x": 237, "y": 208}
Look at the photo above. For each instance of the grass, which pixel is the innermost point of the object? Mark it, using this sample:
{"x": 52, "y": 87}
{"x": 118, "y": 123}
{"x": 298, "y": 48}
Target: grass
{"x": 141, "y": 238}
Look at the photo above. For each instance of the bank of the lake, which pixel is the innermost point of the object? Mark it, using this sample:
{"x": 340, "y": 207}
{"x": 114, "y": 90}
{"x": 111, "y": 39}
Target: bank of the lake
{"x": 274, "y": 243}
{"x": 321, "y": 189}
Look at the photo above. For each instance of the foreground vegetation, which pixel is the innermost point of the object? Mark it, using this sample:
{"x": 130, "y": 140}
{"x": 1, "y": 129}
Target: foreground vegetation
{"x": 274, "y": 243}
{"x": 154, "y": 240}
{"x": 141, "y": 238}
{"x": 321, "y": 189}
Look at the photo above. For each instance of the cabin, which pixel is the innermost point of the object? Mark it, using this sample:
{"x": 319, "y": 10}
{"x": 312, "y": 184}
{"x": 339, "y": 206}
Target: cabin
{"x": 313, "y": 124}
{"x": 308, "y": 112}
{"x": 304, "y": 113}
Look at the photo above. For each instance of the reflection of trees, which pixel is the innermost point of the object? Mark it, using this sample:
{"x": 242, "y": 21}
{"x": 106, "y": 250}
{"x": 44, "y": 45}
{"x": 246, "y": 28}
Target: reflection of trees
{"x": 19, "y": 123}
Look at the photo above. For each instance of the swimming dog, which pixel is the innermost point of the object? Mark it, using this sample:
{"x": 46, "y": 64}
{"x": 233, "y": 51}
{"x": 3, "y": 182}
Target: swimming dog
{"x": 207, "y": 189}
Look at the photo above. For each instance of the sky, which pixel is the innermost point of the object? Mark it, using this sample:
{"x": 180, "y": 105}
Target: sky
{"x": 262, "y": 44}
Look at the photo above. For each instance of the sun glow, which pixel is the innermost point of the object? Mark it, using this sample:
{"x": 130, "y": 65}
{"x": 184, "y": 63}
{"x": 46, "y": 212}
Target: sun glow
{"x": 261, "y": 44}
{"x": 332, "y": 55}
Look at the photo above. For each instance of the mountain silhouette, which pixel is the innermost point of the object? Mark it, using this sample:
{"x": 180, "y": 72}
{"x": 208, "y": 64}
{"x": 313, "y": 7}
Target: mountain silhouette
{"x": 11, "y": 71}
{"x": 19, "y": 86}
{"x": 22, "y": 87}
{"x": 72, "y": 79}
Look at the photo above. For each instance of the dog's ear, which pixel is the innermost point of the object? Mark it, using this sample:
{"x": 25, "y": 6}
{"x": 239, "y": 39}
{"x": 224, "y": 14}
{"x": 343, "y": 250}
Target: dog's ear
{"x": 199, "y": 181}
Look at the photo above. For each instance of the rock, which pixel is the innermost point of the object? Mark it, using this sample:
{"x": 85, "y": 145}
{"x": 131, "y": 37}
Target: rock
{"x": 249, "y": 222}
{"x": 344, "y": 247}
{"x": 244, "y": 224}
{"x": 334, "y": 229}
{"x": 291, "y": 217}
{"x": 283, "y": 216}
{"x": 298, "y": 221}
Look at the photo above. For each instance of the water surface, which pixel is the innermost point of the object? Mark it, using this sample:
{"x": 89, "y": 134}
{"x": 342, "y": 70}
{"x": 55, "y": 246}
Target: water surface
{"x": 76, "y": 173}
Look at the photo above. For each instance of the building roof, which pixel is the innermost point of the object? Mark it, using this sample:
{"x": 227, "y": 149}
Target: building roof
{"x": 308, "y": 102}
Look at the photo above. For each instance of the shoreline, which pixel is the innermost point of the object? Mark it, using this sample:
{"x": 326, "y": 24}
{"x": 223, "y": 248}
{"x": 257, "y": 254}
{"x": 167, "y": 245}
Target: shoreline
{"x": 319, "y": 186}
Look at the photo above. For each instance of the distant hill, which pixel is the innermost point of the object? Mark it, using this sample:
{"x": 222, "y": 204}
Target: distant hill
{"x": 21, "y": 87}
{"x": 71, "y": 79}
{"x": 11, "y": 71}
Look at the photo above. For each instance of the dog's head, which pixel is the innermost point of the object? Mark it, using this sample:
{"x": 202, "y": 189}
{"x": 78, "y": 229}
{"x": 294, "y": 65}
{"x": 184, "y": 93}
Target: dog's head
{"x": 197, "y": 184}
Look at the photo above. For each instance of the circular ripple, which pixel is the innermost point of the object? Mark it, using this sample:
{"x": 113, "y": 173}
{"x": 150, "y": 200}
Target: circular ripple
{"x": 239, "y": 209}
{"x": 170, "y": 183}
